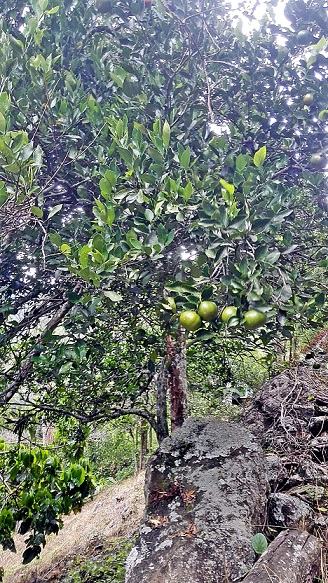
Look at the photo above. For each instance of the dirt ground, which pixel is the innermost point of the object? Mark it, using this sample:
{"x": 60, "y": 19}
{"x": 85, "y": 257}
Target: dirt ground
{"x": 114, "y": 512}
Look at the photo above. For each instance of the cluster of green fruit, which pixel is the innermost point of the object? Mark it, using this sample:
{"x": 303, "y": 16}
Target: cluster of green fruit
{"x": 252, "y": 320}
{"x": 207, "y": 311}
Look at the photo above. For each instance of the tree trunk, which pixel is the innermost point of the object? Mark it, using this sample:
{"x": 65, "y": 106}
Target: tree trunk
{"x": 293, "y": 557}
{"x": 47, "y": 434}
{"x": 143, "y": 444}
{"x": 176, "y": 357}
{"x": 162, "y": 429}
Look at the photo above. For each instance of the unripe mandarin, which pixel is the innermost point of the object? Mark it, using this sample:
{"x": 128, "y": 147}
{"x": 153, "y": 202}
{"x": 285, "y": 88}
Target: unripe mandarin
{"x": 190, "y": 320}
{"x": 208, "y": 311}
{"x": 228, "y": 312}
{"x": 254, "y": 319}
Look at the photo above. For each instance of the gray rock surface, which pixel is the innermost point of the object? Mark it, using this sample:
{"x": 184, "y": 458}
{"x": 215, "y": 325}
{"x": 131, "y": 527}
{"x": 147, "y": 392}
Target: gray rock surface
{"x": 295, "y": 556}
{"x": 288, "y": 511}
{"x": 276, "y": 471}
{"x": 205, "y": 498}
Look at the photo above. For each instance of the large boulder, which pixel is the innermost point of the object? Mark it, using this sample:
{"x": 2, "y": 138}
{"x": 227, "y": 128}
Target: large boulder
{"x": 205, "y": 498}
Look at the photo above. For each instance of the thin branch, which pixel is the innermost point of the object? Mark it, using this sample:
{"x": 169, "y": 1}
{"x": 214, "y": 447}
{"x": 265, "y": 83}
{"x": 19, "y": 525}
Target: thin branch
{"x": 20, "y": 376}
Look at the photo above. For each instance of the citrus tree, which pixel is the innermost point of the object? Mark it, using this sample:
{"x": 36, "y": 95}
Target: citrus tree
{"x": 159, "y": 165}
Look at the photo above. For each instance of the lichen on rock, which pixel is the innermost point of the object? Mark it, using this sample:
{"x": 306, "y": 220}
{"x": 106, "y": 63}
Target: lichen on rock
{"x": 206, "y": 493}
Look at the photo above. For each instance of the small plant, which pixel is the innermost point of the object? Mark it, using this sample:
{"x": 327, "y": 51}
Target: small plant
{"x": 259, "y": 543}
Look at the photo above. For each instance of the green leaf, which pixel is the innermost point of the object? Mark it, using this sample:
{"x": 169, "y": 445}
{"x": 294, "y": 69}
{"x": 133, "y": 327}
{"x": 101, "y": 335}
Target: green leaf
{"x": 110, "y": 216}
{"x": 169, "y": 238}
{"x": 111, "y": 177}
{"x": 205, "y": 335}
{"x": 149, "y": 215}
{"x": 130, "y": 88}
{"x": 259, "y": 543}
{"x": 119, "y": 76}
{"x": 3, "y": 123}
{"x": 3, "y": 196}
{"x": 73, "y": 297}
{"x": 148, "y": 178}
{"x": 126, "y": 155}
{"x": 43, "y": 4}
{"x": 207, "y": 293}
{"x": 261, "y": 252}
{"x": 55, "y": 239}
{"x": 52, "y": 10}
{"x": 65, "y": 248}
{"x": 260, "y": 156}
{"x": 77, "y": 474}
{"x": 155, "y": 155}
{"x": 105, "y": 186}
{"x": 54, "y": 210}
{"x": 320, "y": 300}
{"x": 241, "y": 162}
{"x": 113, "y": 296}
{"x": 166, "y": 134}
{"x": 187, "y": 191}
{"x": 172, "y": 304}
{"x": 181, "y": 288}
{"x": 272, "y": 257}
{"x": 134, "y": 242}
{"x": 35, "y": 210}
{"x": 228, "y": 187}
{"x": 184, "y": 158}
{"x": 320, "y": 45}
{"x": 38, "y": 157}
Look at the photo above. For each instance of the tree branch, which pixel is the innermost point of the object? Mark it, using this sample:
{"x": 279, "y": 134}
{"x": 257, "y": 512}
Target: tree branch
{"x": 20, "y": 376}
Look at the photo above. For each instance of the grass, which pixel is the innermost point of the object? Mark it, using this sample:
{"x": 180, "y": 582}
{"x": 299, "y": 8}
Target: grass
{"x": 92, "y": 545}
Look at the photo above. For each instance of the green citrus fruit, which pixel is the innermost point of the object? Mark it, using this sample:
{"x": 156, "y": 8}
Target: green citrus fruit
{"x": 308, "y": 99}
{"x": 254, "y": 319}
{"x": 323, "y": 202}
{"x": 190, "y": 320}
{"x": 103, "y": 6}
{"x": 319, "y": 160}
{"x": 228, "y": 312}
{"x": 208, "y": 311}
{"x": 304, "y": 37}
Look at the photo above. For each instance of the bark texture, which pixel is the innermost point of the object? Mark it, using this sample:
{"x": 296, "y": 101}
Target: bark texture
{"x": 293, "y": 557}
{"x": 177, "y": 378}
{"x": 162, "y": 428}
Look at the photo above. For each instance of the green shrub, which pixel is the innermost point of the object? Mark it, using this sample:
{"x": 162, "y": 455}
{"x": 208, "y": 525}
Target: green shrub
{"x": 111, "y": 452}
{"x": 107, "y": 568}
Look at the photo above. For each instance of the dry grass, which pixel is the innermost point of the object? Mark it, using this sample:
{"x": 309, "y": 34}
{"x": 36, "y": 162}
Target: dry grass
{"x": 113, "y": 513}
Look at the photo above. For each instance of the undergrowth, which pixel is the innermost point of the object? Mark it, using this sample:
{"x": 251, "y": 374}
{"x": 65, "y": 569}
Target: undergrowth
{"x": 105, "y": 566}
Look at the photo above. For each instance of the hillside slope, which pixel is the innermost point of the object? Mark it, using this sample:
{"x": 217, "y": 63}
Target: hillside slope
{"x": 112, "y": 514}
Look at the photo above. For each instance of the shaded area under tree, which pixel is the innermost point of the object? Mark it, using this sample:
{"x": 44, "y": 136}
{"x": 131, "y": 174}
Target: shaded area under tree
{"x": 203, "y": 490}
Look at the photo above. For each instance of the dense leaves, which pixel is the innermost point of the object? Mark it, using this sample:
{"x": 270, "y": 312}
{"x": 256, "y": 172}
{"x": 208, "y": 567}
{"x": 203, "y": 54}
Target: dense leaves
{"x": 36, "y": 490}
{"x": 152, "y": 157}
